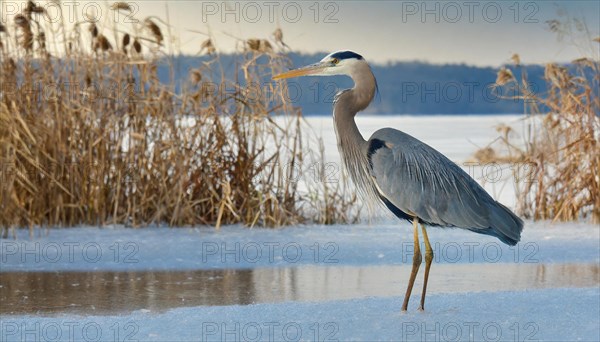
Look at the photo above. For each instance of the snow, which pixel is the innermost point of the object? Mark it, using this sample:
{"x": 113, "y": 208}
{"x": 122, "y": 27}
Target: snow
{"x": 549, "y": 315}
{"x": 512, "y": 312}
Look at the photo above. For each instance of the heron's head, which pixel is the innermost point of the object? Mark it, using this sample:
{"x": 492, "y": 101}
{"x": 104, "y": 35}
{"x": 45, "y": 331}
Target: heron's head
{"x": 337, "y": 63}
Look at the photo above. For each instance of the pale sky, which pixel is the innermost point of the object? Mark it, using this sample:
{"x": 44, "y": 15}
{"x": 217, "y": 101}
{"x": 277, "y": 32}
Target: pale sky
{"x": 484, "y": 33}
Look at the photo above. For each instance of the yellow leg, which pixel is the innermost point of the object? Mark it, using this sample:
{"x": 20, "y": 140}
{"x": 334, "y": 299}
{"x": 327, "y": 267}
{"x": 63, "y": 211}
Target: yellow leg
{"x": 416, "y": 263}
{"x": 428, "y": 260}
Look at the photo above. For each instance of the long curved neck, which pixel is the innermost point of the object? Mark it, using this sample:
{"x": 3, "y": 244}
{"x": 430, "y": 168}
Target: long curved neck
{"x": 351, "y": 144}
{"x": 351, "y": 101}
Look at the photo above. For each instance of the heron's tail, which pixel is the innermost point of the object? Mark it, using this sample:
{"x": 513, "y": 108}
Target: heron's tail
{"x": 504, "y": 224}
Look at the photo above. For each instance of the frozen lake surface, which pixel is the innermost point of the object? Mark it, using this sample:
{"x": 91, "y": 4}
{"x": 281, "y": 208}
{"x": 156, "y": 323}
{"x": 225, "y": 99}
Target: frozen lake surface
{"x": 109, "y": 292}
{"x": 309, "y": 283}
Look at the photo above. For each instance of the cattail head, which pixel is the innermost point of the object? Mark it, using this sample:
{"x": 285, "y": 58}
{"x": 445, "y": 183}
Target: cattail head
{"x": 2, "y": 28}
{"x": 253, "y": 44}
{"x": 94, "y": 30}
{"x": 557, "y": 75}
{"x": 208, "y": 46}
{"x": 553, "y": 25}
{"x": 485, "y": 155}
{"x": 137, "y": 46}
{"x": 28, "y": 8}
{"x": 504, "y": 76}
{"x": 38, "y": 10}
{"x": 125, "y": 42}
{"x": 265, "y": 46}
{"x": 195, "y": 76}
{"x": 21, "y": 21}
{"x": 12, "y": 66}
{"x": 593, "y": 64}
{"x": 42, "y": 40}
{"x": 102, "y": 44}
{"x": 516, "y": 59}
{"x": 33, "y": 8}
{"x": 504, "y": 129}
{"x": 25, "y": 25}
{"x": 259, "y": 45}
{"x": 27, "y": 40}
{"x": 278, "y": 34}
{"x": 155, "y": 30}
{"x": 584, "y": 62}
{"x": 123, "y": 6}
{"x": 126, "y": 39}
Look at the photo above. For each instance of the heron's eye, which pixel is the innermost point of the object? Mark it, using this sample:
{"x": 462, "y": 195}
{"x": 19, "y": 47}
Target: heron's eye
{"x": 335, "y": 61}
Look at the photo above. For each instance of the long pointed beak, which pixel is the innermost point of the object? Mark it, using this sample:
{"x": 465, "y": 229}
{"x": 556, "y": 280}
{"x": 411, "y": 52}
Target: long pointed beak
{"x": 312, "y": 69}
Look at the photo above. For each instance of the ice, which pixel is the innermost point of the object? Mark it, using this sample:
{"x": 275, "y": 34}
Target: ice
{"x": 548, "y": 315}
{"x": 387, "y": 243}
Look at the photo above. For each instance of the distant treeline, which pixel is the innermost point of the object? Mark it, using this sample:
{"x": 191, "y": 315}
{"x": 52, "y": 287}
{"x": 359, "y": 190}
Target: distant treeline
{"x": 404, "y": 87}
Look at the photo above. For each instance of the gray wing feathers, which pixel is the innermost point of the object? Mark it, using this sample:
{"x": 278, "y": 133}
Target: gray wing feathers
{"x": 419, "y": 180}
{"x": 508, "y": 225}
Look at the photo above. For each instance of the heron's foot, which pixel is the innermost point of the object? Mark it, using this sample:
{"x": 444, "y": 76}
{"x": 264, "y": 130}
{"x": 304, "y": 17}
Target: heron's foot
{"x": 420, "y": 309}
{"x": 404, "y": 306}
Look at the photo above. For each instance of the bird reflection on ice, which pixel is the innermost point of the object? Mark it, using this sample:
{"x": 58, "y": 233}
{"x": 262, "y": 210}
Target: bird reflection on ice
{"x": 117, "y": 292}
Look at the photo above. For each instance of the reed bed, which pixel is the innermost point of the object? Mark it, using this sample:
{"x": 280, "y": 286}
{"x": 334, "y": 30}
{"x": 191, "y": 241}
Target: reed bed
{"x": 89, "y": 135}
{"x": 559, "y": 176}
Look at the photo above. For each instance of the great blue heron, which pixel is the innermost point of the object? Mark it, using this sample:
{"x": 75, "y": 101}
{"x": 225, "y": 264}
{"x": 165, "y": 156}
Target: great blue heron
{"x": 416, "y": 182}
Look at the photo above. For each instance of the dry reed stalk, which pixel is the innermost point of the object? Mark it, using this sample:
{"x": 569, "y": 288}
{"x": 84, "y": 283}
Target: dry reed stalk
{"x": 562, "y": 155}
{"x": 87, "y": 153}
